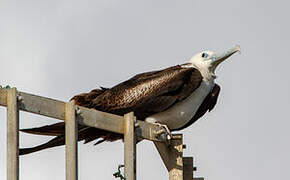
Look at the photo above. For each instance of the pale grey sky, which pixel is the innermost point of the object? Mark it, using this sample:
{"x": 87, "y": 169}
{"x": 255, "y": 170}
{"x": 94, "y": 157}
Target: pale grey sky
{"x": 59, "y": 48}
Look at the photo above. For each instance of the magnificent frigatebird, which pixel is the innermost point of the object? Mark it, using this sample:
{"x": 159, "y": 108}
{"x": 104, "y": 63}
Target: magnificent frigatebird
{"x": 174, "y": 97}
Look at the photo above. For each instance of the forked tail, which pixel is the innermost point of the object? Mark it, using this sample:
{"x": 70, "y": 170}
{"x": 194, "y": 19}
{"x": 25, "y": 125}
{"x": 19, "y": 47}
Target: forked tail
{"x": 85, "y": 133}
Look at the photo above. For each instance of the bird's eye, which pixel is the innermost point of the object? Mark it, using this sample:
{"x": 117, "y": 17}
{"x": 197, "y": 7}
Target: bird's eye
{"x": 204, "y": 55}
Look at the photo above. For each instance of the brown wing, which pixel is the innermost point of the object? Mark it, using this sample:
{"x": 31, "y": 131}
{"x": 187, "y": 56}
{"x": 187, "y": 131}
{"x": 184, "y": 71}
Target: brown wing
{"x": 207, "y": 105}
{"x": 145, "y": 94}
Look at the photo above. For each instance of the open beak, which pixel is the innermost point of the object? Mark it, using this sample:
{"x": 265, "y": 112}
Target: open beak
{"x": 218, "y": 58}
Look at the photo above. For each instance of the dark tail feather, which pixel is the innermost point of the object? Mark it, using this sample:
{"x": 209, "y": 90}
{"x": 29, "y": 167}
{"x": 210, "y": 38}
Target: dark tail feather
{"x": 100, "y": 141}
{"x": 49, "y": 130}
{"x": 57, "y": 141}
{"x": 85, "y": 133}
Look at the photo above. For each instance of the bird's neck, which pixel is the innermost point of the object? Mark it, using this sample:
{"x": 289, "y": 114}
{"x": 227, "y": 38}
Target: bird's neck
{"x": 206, "y": 74}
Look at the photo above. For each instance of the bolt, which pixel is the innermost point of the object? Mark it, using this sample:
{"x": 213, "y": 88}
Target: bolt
{"x": 168, "y": 137}
{"x": 19, "y": 98}
{"x": 135, "y": 119}
{"x": 161, "y": 137}
{"x": 78, "y": 110}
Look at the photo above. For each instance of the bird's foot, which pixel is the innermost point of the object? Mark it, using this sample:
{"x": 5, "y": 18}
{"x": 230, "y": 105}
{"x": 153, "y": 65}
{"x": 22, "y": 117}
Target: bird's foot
{"x": 168, "y": 133}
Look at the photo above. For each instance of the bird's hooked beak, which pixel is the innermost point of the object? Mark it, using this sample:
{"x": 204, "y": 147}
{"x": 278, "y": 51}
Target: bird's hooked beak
{"x": 218, "y": 58}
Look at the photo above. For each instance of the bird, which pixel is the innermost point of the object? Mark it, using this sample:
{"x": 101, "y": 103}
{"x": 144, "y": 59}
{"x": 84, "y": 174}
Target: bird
{"x": 174, "y": 97}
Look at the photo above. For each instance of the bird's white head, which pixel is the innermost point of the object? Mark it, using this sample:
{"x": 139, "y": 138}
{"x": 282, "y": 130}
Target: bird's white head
{"x": 207, "y": 61}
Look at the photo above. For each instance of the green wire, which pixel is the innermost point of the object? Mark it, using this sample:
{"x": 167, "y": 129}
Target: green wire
{"x": 119, "y": 173}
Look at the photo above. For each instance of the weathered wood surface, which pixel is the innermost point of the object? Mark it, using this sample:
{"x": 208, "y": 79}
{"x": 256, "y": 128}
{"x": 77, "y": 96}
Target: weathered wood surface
{"x": 172, "y": 156}
{"x": 129, "y": 147}
{"x": 71, "y": 139}
{"x": 187, "y": 168}
{"x": 12, "y": 135}
{"x": 89, "y": 117}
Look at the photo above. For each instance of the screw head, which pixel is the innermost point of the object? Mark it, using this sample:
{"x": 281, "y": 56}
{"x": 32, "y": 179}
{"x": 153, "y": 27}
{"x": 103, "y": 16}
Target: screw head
{"x": 19, "y": 98}
{"x": 168, "y": 137}
{"x": 78, "y": 110}
{"x": 137, "y": 124}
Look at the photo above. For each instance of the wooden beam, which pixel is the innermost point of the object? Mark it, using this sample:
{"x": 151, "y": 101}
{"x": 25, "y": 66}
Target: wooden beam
{"x": 12, "y": 135}
{"x": 129, "y": 147}
{"x": 71, "y": 142}
{"x": 89, "y": 117}
{"x": 101, "y": 120}
{"x": 187, "y": 168}
{"x": 3, "y": 97}
{"x": 172, "y": 156}
{"x": 149, "y": 131}
{"x": 42, "y": 106}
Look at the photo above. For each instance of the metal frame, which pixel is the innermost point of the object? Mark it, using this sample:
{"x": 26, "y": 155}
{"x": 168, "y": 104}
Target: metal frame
{"x": 171, "y": 152}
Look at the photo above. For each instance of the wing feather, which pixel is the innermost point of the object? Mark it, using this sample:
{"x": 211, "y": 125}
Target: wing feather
{"x": 145, "y": 94}
{"x": 207, "y": 105}
{"x": 148, "y": 93}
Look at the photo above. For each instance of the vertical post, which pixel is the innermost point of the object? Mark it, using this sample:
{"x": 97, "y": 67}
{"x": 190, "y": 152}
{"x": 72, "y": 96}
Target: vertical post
{"x": 12, "y": 135}
{"x": 187, "y": 168}
{"x": 71, "y": 139}
{"x": 176, "y": 173}
{"x": 129, "y": 146}
{"x": 172, "y": 156}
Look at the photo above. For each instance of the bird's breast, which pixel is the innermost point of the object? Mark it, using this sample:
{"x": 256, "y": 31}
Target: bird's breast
{"x": 181, "y": 113}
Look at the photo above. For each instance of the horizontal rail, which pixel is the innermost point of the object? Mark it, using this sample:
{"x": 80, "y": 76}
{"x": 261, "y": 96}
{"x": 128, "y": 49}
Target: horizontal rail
{"x": 179, "y": 167}
{"x": 85, "y": 116}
